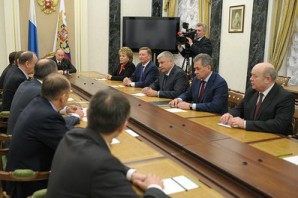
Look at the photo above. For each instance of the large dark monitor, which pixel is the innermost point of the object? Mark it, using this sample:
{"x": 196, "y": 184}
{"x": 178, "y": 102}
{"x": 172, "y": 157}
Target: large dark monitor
{"x": 157, "y": 33}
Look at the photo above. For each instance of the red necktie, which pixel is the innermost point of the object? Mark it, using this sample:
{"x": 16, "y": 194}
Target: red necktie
{"x": 121, "y": 68}
{"x": 202, "y": 88}
{"x": 258, "y": 105}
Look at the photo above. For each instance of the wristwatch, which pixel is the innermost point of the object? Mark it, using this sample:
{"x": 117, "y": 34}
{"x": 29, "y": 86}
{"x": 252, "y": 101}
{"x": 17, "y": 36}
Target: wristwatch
{"x": 190, "y": 106}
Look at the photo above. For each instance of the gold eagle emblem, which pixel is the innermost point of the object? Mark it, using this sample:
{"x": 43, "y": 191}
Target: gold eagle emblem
{"x": 48, "y": 6}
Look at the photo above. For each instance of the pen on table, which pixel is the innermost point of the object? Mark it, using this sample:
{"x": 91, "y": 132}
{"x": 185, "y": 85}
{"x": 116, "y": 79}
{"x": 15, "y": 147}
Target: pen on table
{"x": 285, "y": 155}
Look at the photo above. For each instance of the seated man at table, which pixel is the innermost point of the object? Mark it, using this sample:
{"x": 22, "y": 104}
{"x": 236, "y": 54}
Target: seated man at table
{"x": 83, "y": 165}
{"x": 208, "y": 91}
{"x": 37, "y": 133}
{"x": 172, "y": 80}
{"x": 28, "y": 90}
{"x": 146, "y": 71}
{"x": 63, "y": 64}
{"x": 266, "y": 106}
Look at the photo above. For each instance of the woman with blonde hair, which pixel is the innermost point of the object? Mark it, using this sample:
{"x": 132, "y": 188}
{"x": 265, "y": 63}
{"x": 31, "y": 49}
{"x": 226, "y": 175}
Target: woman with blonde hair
{"x": 126, "y": 66}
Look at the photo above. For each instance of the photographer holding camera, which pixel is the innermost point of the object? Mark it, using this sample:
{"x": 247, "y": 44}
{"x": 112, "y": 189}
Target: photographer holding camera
{"x": 199, "y": 44}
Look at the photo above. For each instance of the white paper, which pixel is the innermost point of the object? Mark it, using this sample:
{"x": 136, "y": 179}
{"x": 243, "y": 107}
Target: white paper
{"x": 224, "y": 125}
{"x": 175, "y": 110}
{"x": 292, "y": 159}
{"x": 70, "y": 99}
{"x": 185, "y": 182}
{"x": 100, "y": 79}
{"x": 115, "y": 141}
{"x": 131, "y": 132}
{"x": 170, "y": 186}
{"x": 116, "y": 86}
{"x": 138, "y": 94}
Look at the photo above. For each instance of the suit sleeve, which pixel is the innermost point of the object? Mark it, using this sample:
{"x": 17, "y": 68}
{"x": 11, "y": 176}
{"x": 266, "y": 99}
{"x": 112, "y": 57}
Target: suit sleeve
{"x": 70, "y": 67}
{"x": 179, "y": 86}
{"x": 203, "y": 47}
{"x": 150, "y": 77}
{"x": 280, "y": 122}
{"x": 218, "y": 101}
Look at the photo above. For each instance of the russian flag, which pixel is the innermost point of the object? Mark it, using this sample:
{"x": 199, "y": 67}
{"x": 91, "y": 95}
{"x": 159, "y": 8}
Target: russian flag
{"x": 32, "y": 33}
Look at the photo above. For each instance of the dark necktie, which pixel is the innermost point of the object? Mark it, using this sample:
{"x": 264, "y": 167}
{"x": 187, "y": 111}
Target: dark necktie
{"x": 258, "y": 105}
{"x": 164, "y": 83}
{"x": 59, "y": 63}
{"x": 201, "y": 92}
{"x": 142, "y": 73}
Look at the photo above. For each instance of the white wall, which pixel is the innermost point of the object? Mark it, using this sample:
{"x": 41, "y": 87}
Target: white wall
{"x": 234, "y": 47}
{"x": 98, "y": 36}
{"x": 3, "y": 58}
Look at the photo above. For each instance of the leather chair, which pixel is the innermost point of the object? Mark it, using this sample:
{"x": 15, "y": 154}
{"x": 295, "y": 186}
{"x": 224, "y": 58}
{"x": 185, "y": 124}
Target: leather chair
{"x": 234, "y": 98}
{"x": 282, "y": 80}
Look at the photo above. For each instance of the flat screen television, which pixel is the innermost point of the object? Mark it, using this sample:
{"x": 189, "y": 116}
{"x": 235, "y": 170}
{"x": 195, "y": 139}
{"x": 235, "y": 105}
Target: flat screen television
{"x": 157, "y": 33}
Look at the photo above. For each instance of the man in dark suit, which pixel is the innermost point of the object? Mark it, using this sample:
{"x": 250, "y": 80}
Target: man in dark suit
{"x": 12, "y": 62}
{"x": 37, "y": 133}
{"x": 28, "y": 90}
{"x": 208, "y": 90}
{"x": 83, "y": 165}
{"x": 266, "y": 106}
{"x": 64, "y": 65}
{"x": 146, "y": 71}
{"x": 26, "y": 65}
{"x": 172, "y": 80}
{"x": 201, "y": 44}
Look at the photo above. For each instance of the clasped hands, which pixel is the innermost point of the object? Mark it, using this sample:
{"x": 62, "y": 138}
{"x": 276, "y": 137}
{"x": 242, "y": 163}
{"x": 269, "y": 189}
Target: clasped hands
{"x": 178, "y": 103}
{"x": 148, "y": 91}
{"x": 126, "y": 81}
{"x": 75, "y": 109}
{"x": 232, "y": 121}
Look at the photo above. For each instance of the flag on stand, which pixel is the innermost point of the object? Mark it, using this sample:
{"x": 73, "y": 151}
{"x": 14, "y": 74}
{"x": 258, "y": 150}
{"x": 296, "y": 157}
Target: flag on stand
{"x": 61, "y": 34}
{"x": 32, "y": 30}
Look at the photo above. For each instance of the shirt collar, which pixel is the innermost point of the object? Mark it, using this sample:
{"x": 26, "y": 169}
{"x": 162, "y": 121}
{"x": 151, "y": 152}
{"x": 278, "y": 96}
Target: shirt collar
{"x": 265, "y": 93}
{"x": 27, "y": 76}
{"x": 207, "y": 78}
{"x": 167, "y": 74}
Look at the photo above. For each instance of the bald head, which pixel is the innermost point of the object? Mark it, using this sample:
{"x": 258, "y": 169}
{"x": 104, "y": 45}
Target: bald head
{"x": 263, "y": 75}
{"x": 44, "y": 67}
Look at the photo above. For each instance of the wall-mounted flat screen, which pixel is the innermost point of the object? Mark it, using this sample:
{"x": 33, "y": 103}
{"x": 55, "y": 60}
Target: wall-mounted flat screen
{"x": 157, "y": 33}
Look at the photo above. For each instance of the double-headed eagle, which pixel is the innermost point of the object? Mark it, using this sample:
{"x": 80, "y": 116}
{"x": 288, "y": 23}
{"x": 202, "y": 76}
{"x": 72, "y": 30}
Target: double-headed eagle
{"x": 48, "y": 6}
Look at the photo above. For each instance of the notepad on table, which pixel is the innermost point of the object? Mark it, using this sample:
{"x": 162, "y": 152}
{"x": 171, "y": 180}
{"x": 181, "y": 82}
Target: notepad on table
{"x": 131, "y": 132}
{"x": 175, "y": 110}
{"x": 138, "y": 94}
{"x": 178, "y": 184}
{"x": 292, "y": 159}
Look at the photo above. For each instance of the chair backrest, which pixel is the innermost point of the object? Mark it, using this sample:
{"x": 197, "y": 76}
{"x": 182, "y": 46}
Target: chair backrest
{"x": 21, "y": 175}
{"x": 234, "y": 98}
{"x": 49, "y": 55}
{"x": 282, "y": 80}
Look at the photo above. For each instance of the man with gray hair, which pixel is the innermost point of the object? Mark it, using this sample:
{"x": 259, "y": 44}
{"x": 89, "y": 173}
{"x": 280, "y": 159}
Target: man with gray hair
{"x": 172, "y": 80}
{"x": 266, "y": 106}
{"x": 208, "y": 91}
{"x": 26, "y": 65}
{"x": 200, "y": 44}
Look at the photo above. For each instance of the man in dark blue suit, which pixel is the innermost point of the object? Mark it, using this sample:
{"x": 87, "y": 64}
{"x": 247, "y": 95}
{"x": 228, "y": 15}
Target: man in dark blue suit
{"x": 146, "y": 71}
{"x": 26, "y": 65}
{"x": 30, "y": 89}
{"x": 266, "y": 106}
{"x": 172, "y": 80}
{"x": 83, "y": 165}
{"x": 208, "y": 91}
{"x": 37, "y": 133}
{"x": 12, "y": 62}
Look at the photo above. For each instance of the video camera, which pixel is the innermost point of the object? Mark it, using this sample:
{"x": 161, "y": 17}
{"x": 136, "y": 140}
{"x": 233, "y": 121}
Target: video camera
{"x": 189, "y": 32}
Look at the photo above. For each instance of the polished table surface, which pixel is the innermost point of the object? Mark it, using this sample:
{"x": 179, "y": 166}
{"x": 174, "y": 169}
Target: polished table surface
{"x": 197, "y": 145}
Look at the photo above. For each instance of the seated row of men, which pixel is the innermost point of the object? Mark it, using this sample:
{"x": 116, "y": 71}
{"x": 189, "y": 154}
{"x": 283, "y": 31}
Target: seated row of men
{"x": 38, "y": 128}
{"x": 209, "y": 91}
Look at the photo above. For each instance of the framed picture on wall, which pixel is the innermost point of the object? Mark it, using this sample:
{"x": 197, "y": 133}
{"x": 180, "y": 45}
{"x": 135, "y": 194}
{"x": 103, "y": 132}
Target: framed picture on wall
{"x": 236, "y": 19}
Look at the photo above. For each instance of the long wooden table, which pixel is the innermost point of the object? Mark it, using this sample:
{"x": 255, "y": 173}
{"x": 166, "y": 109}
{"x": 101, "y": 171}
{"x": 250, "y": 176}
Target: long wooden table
{"x": 218, "y": 159}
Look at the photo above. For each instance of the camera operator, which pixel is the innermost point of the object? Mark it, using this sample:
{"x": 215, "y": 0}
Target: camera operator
{"x": 199, "y": 45}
